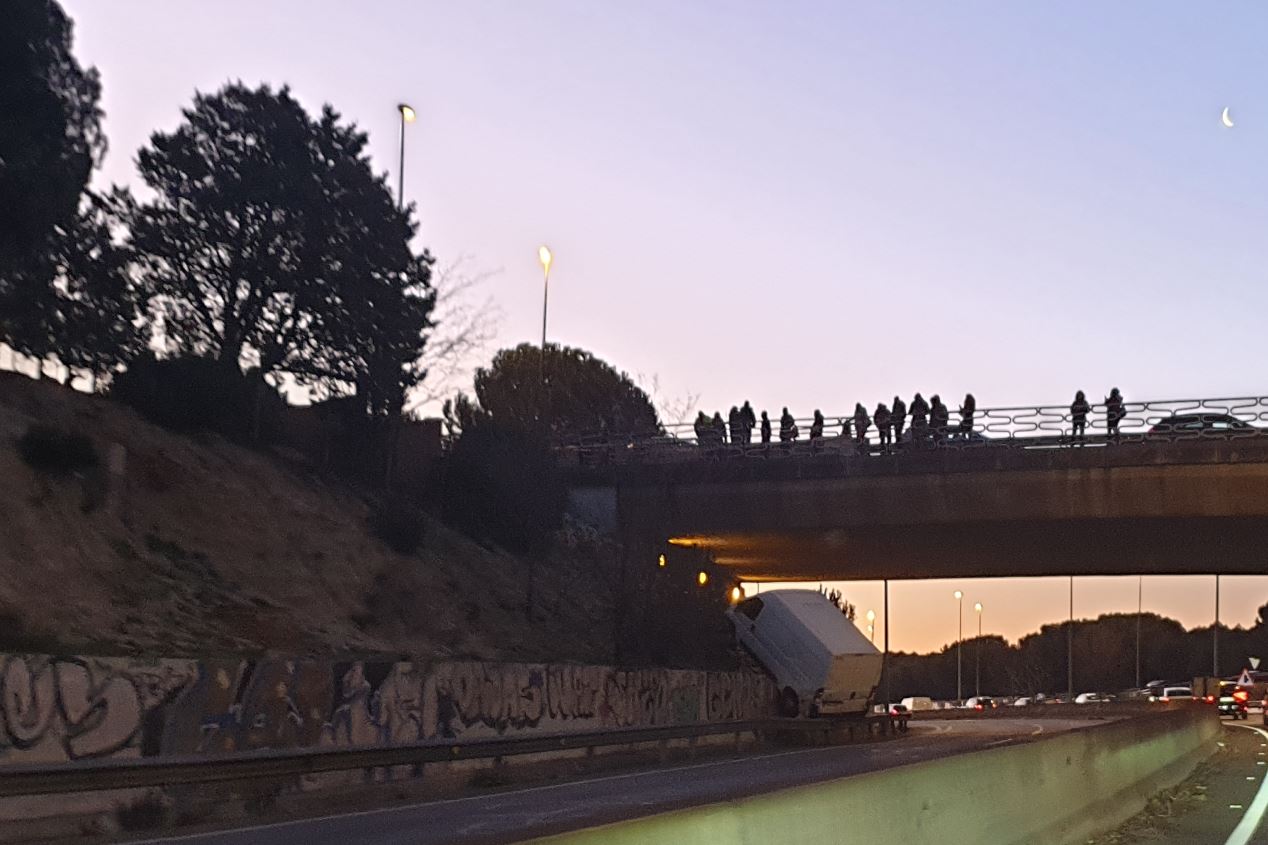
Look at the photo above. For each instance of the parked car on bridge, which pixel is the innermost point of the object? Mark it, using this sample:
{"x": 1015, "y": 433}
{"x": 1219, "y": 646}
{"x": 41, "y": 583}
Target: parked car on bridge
{"x": 822, "y": 663}
{"x": 1208, "y": 424}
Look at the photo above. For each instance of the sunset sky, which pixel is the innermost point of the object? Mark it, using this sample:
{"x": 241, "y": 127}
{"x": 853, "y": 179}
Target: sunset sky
{"x": 805, "y": 204}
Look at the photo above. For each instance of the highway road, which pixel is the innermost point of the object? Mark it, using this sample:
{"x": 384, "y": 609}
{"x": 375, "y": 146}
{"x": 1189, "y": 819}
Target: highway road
{"x": 1225, "y": 803}
{"x": 517, "y": 814}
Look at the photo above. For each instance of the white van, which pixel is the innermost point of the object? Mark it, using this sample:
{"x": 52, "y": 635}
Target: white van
{"x": 823, "y": 664}
{"x": 918, "y": 702}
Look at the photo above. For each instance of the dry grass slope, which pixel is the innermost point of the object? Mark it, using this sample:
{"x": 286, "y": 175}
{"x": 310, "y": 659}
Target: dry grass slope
{"x": 218, "y": 549}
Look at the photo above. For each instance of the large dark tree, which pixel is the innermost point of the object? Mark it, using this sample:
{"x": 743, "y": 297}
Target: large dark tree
{"x": 571, "y": 394}
{"x": 50, "y": 140}
{"x": 270, "y": 243}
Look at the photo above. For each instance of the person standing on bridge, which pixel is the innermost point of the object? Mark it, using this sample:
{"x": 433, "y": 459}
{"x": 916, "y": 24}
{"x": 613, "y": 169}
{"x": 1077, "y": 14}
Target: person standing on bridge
{"x": 1114, "y": 413}
{"x": 966, "y": 415}
{"x": 900, "y": 418}
{"x": 719, "y": 431}
{"x": 919, "y": 411}
{"x": 816, "y": 426}
{"x": 736, "y": 424}
{"x": 861, "y": 423}
{"x": 702, "y": 429}
{"x": 787, "y": 427}
{"x": 747, "y": 421}
{"x": 765, "y": 429}
{"x": 1078, "y": 415}
{"x": 884, "y": 421}
{"x": 939, "y": 418}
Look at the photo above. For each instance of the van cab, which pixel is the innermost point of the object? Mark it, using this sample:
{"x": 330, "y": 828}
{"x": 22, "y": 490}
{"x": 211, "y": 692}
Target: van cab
{"x": 822, "y": 664}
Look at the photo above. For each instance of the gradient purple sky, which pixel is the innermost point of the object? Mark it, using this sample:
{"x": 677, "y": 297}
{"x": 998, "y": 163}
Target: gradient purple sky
{"x": 805, "y": 204}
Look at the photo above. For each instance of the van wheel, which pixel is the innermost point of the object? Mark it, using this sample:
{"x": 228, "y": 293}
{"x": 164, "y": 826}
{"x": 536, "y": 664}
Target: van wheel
{"x": 789, "y": 706}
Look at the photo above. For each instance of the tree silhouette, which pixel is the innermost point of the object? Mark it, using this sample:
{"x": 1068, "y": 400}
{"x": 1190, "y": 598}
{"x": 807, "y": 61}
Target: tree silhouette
{"x": 571, "y": 394}
{"x": 50, "y": 141}
{"x": 271, "y": 244}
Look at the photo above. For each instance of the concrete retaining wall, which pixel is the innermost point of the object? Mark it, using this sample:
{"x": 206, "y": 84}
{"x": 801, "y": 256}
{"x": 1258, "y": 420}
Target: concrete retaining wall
{"x": 1058, "y": 790}
{"x": 58, "y": 709}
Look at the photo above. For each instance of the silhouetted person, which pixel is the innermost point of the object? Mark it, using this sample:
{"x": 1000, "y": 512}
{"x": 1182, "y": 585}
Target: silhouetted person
{"x": 787, "y": 427}
{"x": 747, "y": 420}
{"x": 919, "y": 413}
{"x": 816, "y": 426}
{"x": 765, "y": 428}
{"x": 719, "y": 430}
{"x": 703, "y": 433}
{"x": 884, "y": 420}
{"x": 899, "y": 413}
{"x": 939, "y": 417}
{"x": 966, "y": 415}
{"x": 1114, "y": 413}
{"x": 861, "y": 423}
{"x": 736, "y": 424}
{"x": 1078, "y": 415}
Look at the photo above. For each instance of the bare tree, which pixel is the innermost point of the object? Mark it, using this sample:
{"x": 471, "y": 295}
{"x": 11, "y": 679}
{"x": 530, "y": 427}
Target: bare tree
{"x": 465, "y": 327}
{"x": 672, "y": 410}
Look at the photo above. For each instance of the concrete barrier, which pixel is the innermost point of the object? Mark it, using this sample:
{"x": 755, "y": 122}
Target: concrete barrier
{"x": 1054, "y": 791}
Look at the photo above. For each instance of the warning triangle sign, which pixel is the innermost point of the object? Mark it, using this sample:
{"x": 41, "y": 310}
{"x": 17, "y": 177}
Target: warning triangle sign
{"x": 1244, "y": 680}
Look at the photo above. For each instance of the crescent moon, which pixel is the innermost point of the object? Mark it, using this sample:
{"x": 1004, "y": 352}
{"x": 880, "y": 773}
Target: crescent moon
{"x": 1225, "y": 119}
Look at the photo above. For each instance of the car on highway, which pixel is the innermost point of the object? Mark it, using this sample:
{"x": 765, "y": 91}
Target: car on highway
{"x": 1175, "y": 693}
{"x": 1233, "y": 701}
{"x": 1091, "y": 698}
{"x": 823, "y": 665}
{"x": 980, "y": 702}
{"x": 1024, "y": 701}
{"x": 918, "y": 702}
{"x": 1210, "y": 424}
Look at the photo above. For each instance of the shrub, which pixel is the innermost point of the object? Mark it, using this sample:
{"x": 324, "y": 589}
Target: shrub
{"x": 49, "y": 449}
{"x": 502, "y": 485}
{"x": 399, "y": 525}
{"x": 201, "y": 394}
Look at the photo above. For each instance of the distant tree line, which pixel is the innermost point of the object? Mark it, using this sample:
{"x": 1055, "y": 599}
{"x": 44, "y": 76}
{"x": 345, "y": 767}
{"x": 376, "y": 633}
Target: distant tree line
{"x": 1104, "y": 658}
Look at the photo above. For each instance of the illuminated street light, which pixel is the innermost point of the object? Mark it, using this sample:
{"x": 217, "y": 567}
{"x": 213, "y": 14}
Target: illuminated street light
{"x": 977, "y": 652}
{"x": 959, "y": 647}
{"x": 660, "y": 561}
{"x": 546, "y": 258}
{"x": 702, "y": 577}
{"x": 736, "y": 594}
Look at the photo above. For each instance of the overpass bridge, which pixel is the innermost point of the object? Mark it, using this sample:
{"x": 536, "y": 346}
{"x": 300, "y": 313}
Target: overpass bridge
{"x": 992, "y": 504}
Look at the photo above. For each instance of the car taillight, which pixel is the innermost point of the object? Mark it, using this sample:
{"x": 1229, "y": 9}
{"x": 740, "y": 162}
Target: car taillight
{"x": 1165, "y": 699}
{"x": 977, "y": 707}
{"x": 1210, "y": 699}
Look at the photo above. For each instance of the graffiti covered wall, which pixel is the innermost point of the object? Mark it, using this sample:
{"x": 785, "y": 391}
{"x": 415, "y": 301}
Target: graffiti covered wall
{"x": 55, "y": 709}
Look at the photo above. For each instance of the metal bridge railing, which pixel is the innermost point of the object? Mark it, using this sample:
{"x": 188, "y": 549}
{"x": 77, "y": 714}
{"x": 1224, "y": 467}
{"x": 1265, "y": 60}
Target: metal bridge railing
{"x": 1025, "y": 427}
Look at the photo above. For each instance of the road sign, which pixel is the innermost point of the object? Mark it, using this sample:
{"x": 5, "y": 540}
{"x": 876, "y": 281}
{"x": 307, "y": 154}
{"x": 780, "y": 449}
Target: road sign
{"x": 1244, "y": 680}
{"x": 1254, "y": 663}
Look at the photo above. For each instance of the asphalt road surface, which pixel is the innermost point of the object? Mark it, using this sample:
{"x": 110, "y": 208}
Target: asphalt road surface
{"x": 1231, "y": 798}
{"x": 518, "y": 814}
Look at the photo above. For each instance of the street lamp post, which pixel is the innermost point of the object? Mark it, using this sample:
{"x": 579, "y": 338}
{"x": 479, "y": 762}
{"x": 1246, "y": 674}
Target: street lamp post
{"x": 546, "y": 257}
{"x": 977, "y": 669}
{"x": 959, "y": 647}
{"x": 1140, "y": 603}
{"x": 1069, "y": 647}
{"x": 407, "y": 116}
{"x": 871, "y": 626}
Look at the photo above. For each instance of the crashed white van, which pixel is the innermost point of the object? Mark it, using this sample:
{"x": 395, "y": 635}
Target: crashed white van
{"x": 823, "y": 664}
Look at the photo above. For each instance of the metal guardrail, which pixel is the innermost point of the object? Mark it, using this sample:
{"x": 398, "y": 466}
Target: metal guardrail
{"x": 283, "y": 763}
{"x": 1026, "y": 427}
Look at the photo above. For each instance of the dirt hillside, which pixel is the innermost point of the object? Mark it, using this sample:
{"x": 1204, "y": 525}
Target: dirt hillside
{"x": 204, "y": 547}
